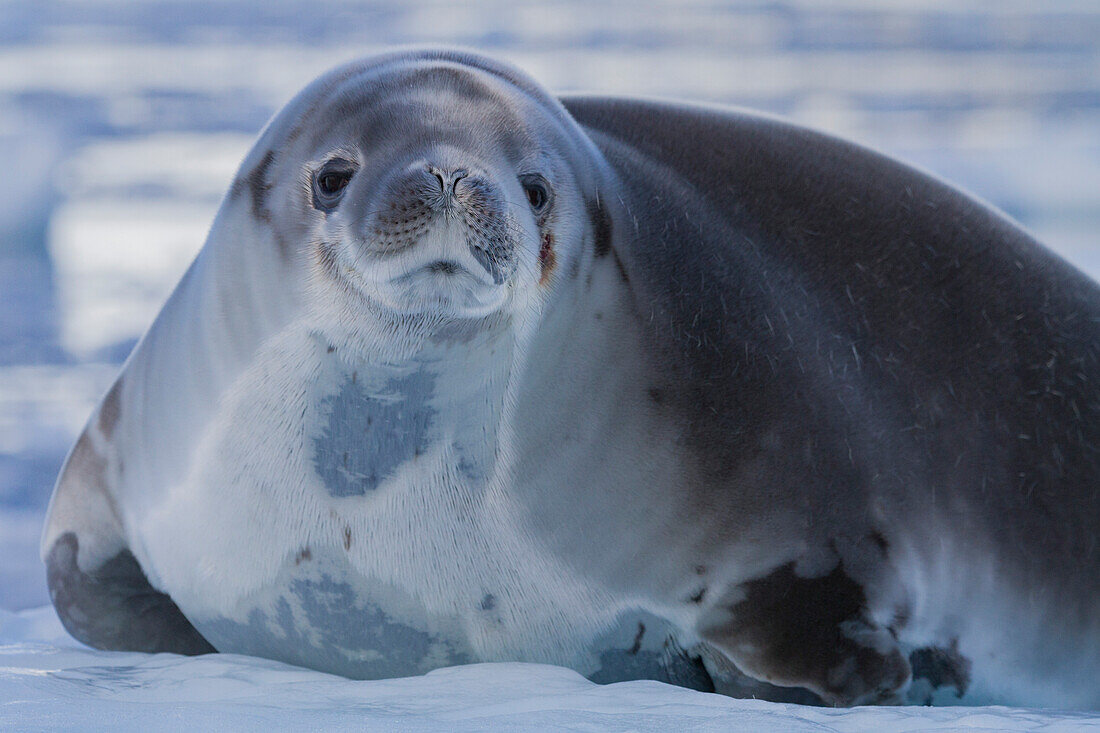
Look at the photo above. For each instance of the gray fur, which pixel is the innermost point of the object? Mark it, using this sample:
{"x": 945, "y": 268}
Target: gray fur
{"x": 335, "y": 631}
{"x": 907, "y": 352}
{"x": 370, "y": 435}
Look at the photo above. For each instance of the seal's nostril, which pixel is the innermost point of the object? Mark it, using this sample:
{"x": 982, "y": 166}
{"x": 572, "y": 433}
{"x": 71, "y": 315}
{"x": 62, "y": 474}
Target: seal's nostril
{"x": 448, "y": 179}
{"x": 439, "y": 177}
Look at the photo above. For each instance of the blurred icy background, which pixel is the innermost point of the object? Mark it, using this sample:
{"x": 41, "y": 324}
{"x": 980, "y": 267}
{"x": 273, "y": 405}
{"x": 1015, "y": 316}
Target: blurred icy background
{"x": 122, "y": 122}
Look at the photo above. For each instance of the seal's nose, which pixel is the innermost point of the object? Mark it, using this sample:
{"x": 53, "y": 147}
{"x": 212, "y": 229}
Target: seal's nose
{"x": 448, "y": 179}
{"x": 448, "y": 205}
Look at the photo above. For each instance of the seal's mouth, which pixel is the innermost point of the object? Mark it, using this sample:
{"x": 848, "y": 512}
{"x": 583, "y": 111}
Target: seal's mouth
{"x": 445, "y": 268}
{"x": 446, "y": 286}
{"x": 421, "y": 281}
{"x": 444, "y": 255}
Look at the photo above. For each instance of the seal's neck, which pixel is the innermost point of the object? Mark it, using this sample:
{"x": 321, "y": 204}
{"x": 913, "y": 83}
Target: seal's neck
{"x": 467, "y": 363}
{"x": 440, "y": 404}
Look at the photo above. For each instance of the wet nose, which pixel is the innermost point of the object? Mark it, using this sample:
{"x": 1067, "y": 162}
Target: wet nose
{"x": 448, "y": 178}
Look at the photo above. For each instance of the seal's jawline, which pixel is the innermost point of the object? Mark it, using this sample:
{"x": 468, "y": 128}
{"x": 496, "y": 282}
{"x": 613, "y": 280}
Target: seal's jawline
{"x": 350, "y": 284}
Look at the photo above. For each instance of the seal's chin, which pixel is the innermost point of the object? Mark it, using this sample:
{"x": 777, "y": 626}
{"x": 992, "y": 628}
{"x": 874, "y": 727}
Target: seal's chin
{"x": 433, "y": 280}
{"x": 442, "y": 288}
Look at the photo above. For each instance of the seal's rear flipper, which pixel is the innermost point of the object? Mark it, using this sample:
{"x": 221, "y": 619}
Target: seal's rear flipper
{"x": 99, "y": 590}
{"x": 114, "y": 607}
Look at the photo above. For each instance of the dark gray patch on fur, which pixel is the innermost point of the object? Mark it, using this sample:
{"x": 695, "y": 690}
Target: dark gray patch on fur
{"x": 474, "y": 461}
{"x": 259, "y": 186}
{"x": 601, "y": 227}
{"x": 670, "y": 665}
{"x": 941, "y": 667}
{"x": 109, "y": 410}
{"x": 86, "y": 468}
{"x": 368, "y": 436}
{"x": 620, "y": 267}
{"x": 641, "y": 647}
{"x": 574, "y": 266}
{"x": 674, "y": 667}
{"x": 335, "y": 632}
{"x": 114, "y": 607}
{"x": 637, "y": 645}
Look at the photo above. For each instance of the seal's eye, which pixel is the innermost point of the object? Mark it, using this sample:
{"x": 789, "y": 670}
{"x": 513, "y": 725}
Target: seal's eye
{"x": 329, "y": 183}
{"x": 537, "y": 190}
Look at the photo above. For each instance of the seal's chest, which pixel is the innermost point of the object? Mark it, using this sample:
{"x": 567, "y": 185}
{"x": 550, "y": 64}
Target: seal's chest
{"x": 412, "y": 570}
{"x": 373, "y": 431}
{"x": 405, "y": 473}
{"x": 390, "y": 540}
{"x": 368, "y": 434}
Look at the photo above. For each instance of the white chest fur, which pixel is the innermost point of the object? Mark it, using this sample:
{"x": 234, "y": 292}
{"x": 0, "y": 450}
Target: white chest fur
{"x": 369, "y": 501}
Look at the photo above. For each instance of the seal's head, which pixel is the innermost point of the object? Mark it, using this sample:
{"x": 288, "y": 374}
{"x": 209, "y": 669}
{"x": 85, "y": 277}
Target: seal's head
{"x": 426, "y": 188}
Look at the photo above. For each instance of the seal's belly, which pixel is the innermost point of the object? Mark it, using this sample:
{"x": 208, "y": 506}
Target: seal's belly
{"x": 322, "y": 615}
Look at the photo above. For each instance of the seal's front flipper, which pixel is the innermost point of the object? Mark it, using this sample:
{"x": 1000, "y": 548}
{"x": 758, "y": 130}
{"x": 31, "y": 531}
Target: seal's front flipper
{"x": 114, "y": 607}
{"x": 810, "y": 632}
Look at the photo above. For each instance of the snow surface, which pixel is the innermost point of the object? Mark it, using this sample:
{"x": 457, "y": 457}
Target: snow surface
{"x": 49, "y": 681}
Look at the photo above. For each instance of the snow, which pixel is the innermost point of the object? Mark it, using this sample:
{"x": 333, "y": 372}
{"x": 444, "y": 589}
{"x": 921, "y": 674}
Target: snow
{"x": 47, "y": 680}
{"x": 110, "y": 281}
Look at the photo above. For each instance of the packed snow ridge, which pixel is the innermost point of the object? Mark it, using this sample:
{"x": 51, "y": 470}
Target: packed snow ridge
{"x": 50, "y": 681}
